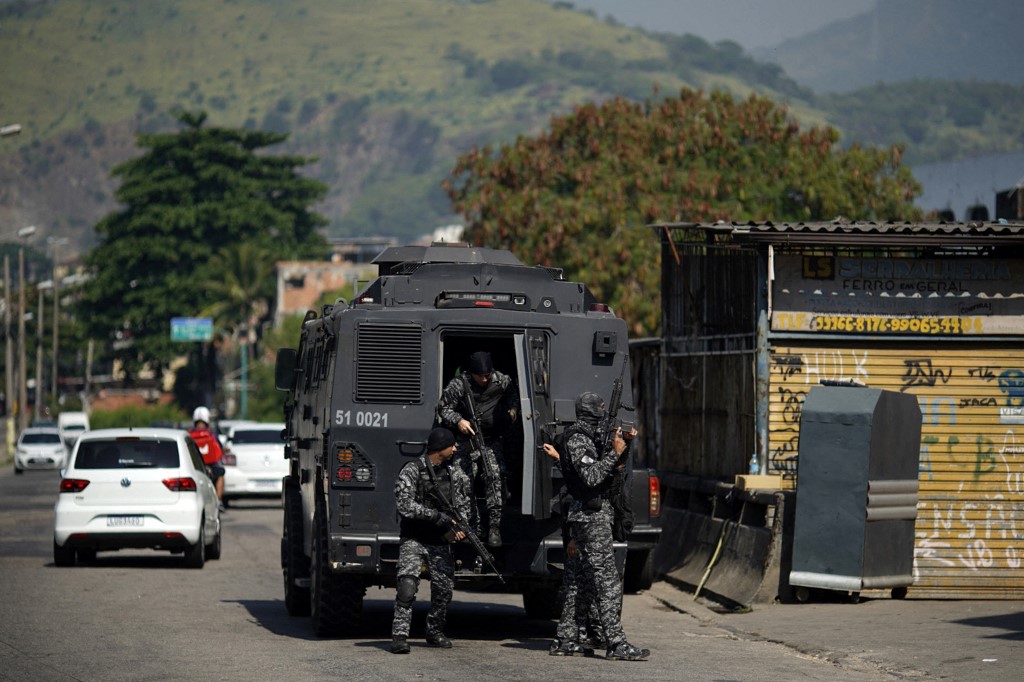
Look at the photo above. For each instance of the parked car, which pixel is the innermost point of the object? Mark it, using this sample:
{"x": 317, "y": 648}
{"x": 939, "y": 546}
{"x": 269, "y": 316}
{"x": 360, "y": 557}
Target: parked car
{"x": 72, "y": 425}
{"x": 254, "y": 462}
{"x": 136, "y": 488}
{"x": 39, "y": 447}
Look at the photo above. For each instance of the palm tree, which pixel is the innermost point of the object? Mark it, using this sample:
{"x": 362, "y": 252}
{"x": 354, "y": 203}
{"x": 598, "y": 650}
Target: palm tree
{"x": 241, "y": 282}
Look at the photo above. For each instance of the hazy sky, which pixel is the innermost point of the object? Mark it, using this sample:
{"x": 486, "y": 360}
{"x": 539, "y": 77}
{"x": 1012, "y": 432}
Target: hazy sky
{"x": 751, "y": 23}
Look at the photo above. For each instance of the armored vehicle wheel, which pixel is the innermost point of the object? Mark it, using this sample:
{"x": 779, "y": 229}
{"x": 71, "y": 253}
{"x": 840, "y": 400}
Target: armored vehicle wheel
{"x": 542, "y": 603}
{"x": 294, "y": 562}
{"x": 336, "y": 601}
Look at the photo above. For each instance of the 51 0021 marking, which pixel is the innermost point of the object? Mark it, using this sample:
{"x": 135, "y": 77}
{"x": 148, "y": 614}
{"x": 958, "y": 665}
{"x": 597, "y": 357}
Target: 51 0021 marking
{"x": 367, "y": 418}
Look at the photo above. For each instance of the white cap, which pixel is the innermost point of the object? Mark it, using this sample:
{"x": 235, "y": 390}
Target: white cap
{"x": 201, "y": 414}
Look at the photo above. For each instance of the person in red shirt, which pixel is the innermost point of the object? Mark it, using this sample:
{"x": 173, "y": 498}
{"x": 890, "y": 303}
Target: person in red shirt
{"x": 209, "y": 448}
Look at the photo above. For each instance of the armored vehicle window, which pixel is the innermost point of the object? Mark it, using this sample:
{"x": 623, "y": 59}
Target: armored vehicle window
{"x": 389, "y": 363}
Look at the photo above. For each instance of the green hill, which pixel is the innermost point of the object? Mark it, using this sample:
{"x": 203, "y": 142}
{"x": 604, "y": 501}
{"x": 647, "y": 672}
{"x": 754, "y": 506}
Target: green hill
{"x": 385, "y": 93}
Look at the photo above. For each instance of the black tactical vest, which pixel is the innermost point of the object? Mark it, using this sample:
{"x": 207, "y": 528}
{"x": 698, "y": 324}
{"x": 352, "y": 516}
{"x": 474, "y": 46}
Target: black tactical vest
{"x": 427, "y": 531}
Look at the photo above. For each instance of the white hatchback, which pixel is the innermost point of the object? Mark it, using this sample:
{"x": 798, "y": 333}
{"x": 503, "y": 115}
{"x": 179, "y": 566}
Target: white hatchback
{"x": 39, "y": 447}
{"x": 136, "y": 488}
{"x": 254, "y": 463}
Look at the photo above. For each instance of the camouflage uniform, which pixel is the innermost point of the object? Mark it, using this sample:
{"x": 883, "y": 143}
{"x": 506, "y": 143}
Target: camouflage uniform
{"x": 423, "y": 528}
{"x": 589, "y": 475}
{"x": 497, "y": 398}
{"x": 576, "y": 598}
{"x": 597, "y": 578}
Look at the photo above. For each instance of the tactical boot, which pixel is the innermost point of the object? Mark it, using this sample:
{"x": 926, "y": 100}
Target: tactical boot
{"x": 624, "y": 651}
{"x": 494, "y": 537}
{"x": 440, "y": 641}
{"x": 399, "y": 645}
{"x": 566, "y": 648}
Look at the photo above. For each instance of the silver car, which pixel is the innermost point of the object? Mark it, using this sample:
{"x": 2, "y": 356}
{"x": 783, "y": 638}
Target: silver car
{"x": 39, "y": 447}
{"x": 136, "y": 488}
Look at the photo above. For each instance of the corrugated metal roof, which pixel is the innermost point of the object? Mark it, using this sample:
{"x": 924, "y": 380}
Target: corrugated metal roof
{"x": 850, "y": 231}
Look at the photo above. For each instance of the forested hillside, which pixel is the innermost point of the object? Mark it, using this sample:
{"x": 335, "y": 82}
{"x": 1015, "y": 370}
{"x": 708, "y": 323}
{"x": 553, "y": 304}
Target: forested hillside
{"x": 386, "y": 94}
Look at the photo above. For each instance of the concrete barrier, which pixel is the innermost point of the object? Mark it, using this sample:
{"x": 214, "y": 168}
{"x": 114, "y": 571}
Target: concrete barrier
{"x": 723, "y": 542}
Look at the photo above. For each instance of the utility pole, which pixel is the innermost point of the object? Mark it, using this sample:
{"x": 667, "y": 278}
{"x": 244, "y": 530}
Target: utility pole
{"x": 56, "y": 243}
{"x": 39, "y": 356}
{"x": 22, "y": 389}
{"x": 8, "y": 358}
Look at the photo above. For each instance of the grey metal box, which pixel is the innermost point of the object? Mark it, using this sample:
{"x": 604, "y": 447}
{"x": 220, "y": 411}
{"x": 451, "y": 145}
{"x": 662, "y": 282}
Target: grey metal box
{"x": 857, "y": 485}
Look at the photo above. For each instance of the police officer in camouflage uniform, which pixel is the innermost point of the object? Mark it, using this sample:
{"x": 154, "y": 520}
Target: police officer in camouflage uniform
{"x": 496, "y": 400}
{"x": 426, "y": 491}
{"x": 574, "y": 636}
{"x": 588, "y": 476}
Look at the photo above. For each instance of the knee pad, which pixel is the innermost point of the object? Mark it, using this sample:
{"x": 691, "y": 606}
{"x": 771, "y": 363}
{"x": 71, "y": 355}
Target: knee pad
{"x": 406, "y": 590}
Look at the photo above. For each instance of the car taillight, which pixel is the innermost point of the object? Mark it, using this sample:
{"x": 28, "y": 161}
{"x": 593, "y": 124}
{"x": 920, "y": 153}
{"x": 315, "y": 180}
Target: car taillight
{"x": 229, "y": 460}
{"x": 73, "y": 485}
{"x": 654, "y": 495}
{"x": 180, "y": 484}
{"x": 344, "y": 473}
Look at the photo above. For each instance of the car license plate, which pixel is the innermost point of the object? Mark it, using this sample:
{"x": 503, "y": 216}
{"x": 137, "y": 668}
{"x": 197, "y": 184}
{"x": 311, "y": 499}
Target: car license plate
{"x": 266, "y": 483}
{"x": 124, "y": 520}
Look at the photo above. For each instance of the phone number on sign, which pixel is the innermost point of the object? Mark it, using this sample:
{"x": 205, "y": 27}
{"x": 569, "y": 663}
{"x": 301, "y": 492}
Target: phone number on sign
{"x": 912, "y": 325}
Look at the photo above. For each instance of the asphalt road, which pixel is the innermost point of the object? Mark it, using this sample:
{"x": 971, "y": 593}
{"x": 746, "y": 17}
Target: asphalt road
{"x": 140, "y": 615}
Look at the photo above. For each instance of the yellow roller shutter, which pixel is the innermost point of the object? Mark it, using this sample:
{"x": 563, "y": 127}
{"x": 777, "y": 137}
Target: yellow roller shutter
{"x": 970, "y": 514}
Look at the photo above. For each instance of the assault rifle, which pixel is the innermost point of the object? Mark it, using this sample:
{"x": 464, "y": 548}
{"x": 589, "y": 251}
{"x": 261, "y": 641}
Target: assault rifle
{"x": 619, "y": 497}
{"x": 609, "y": 424}
{"x": 477, "y": 439}
{"x": 460, "y": 525}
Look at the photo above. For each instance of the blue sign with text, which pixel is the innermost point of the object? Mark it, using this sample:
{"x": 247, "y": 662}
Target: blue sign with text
{"x": 191, "y": 329}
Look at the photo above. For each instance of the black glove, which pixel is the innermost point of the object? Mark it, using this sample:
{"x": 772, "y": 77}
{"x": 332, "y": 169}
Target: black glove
{"x": 442, "y": 520}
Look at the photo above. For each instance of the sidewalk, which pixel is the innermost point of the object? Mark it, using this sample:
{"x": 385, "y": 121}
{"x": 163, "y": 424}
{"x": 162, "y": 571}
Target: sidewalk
{"x": 909, "y": 639}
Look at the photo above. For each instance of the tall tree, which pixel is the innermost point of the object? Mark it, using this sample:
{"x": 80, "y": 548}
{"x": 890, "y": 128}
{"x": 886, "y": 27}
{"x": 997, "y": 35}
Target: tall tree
{"x": 191, "y": 190}
{"x": 579, "y": 194}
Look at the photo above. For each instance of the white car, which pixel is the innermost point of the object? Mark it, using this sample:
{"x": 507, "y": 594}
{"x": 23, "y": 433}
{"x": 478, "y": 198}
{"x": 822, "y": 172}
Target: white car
{"x": 72, "y": 425}
{"x": 136, "y": 488}
{"x": 254, "y": 463}
{"x": 39, "y": 447}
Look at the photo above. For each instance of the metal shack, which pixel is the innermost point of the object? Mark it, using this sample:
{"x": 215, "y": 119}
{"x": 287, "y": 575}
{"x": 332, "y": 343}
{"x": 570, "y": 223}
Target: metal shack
{"x": 755, "y": 315}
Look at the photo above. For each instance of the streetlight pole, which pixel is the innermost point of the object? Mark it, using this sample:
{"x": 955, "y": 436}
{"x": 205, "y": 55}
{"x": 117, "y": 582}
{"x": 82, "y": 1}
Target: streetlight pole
{"x": 23, "y": 233}
{"x": 54, "y": 385}
{"x": 8, "y": 359}
{"x": 22, "y": 389}
{"x": 12, "y": 406}
{"x": 39, "y": 356}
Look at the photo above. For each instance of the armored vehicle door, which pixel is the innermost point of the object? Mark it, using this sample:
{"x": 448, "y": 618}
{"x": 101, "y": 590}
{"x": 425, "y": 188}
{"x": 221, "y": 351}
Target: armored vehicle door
{"x": 532, "y": 360}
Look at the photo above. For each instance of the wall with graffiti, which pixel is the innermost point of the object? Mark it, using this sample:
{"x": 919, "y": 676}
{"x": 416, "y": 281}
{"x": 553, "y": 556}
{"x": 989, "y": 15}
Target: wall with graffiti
{"x": 970, "y": 524}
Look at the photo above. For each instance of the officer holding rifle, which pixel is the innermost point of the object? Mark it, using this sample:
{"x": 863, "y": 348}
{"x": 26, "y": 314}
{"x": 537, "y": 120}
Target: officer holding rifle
{"x": 589, "y": 466}
{"x": 482, "y": 403}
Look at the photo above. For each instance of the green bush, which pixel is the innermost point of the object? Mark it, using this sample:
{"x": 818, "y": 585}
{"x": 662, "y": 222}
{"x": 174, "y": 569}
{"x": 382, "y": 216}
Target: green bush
{"x": 149, "y": 415}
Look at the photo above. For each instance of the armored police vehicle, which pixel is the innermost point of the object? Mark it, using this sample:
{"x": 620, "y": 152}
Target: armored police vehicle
{"x": 363, "y": 388}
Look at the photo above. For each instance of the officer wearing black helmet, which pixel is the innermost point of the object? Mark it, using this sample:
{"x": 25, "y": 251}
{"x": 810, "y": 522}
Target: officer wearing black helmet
{"x": 496, "y": 401}
{"x": 425, "y": 489}
{"x": 588, "y": 475}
